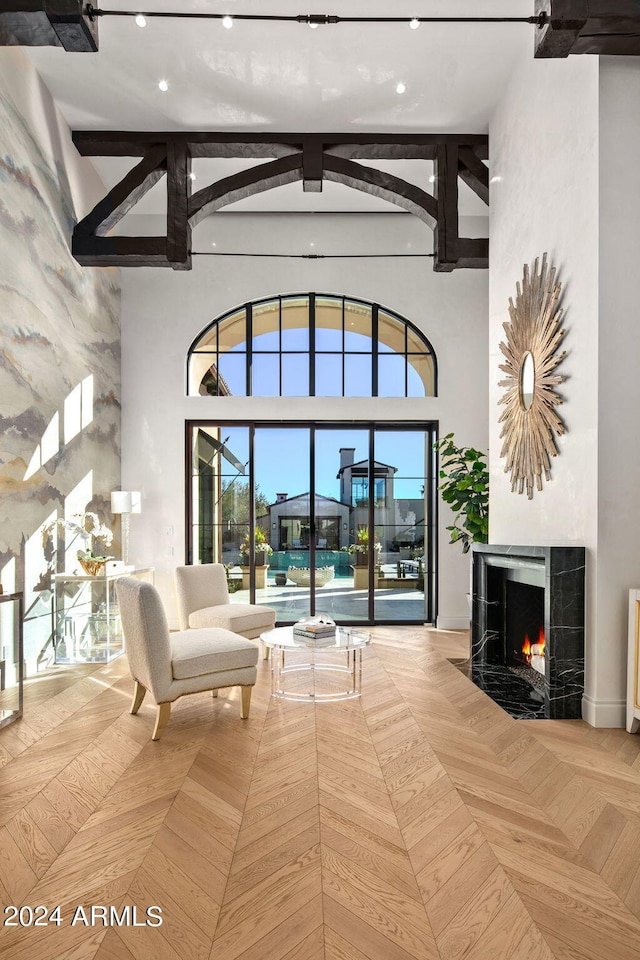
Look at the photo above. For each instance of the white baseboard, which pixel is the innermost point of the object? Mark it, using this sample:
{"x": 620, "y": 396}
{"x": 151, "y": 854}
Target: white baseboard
{"x": 604, "y": 713}
{"x": 452, "y": 623}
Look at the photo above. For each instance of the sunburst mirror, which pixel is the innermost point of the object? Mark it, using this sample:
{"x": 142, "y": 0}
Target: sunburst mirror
{"x": 530, "y": 419}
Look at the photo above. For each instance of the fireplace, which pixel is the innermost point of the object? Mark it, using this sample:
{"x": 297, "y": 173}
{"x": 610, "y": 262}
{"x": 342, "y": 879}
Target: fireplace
{"x": 527, "y": 644}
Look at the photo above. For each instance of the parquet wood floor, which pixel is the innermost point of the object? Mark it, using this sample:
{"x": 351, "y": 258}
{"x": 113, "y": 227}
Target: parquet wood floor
{"x": 417, "y": 823}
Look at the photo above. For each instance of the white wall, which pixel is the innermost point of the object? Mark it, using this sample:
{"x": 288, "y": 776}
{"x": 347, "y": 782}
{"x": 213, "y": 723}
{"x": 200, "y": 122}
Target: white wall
{"x": 563, "y": 142}
{"x": 619, "y": 379}
{"x": 544, "y": 148}
{"x": 163, "y": 311}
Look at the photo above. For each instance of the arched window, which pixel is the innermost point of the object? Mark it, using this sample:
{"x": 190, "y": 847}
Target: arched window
{"x": 311, "y": 345}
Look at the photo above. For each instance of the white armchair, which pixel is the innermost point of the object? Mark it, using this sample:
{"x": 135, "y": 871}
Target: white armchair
{"x": 203, "y": 601}
{"x": 171, "y": 665}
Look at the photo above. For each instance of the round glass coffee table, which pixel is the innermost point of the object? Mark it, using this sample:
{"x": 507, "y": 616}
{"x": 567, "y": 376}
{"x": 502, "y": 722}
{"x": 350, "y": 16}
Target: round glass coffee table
{"x": 326, "y": 669}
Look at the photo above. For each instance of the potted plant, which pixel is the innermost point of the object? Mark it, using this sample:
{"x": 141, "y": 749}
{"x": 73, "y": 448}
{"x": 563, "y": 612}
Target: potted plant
{"x": 87, "y": 527}
{"x": 260, "y": 548}
{"x": 233, "y": 583}
{"x": 360, "y": 549}
{"x": 465, "y": 487}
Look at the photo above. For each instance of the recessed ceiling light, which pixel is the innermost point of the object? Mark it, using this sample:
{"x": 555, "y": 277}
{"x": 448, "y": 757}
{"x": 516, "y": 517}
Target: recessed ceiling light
{"x": 432, "y": 178}
{"x": 213, "y": 244}
{"x": 227, "y": 22}
{"x": 163, "y": 85}
{"x": 414, "y": 24}
{"x": 192, "y": 176}
{"x": 401, "y": 87}
{"x": 141, "y": 20}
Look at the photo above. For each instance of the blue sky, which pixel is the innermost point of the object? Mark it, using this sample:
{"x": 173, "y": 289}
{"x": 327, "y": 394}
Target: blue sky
{"x": 282, "y": 458}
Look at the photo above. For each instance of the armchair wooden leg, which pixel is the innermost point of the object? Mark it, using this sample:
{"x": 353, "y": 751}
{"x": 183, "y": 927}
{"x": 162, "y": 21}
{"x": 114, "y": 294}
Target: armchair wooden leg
{"x": 162, "y": 719}
{"x": 214, "y": 693}
{"x": 265, "y": 651}
{"x": 246, "y": 700}
{"x": 138, "y": 697}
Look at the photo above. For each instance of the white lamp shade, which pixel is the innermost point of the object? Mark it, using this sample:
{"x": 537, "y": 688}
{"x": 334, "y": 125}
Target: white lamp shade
{"x": 126, "y": 501}
{"x": 121, "y": 501}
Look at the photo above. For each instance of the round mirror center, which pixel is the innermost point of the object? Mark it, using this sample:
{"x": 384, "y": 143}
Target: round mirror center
{"x": 527, "y": 380}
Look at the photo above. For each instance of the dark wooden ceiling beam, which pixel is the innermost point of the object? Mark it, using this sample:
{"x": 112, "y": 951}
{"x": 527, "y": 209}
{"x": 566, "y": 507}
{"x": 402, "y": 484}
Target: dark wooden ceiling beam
{"x": 402, "y": 146}
{"x": 48, "y": 23}
{"x": 453, "y": 252}
{"x": 474, "y": 173}
{"x": 251, "y": 146}
{"x": 563, "y": 22}
{"x": 607, "y": 27}
{"x": 312, "y": 166}
{"x": 119, "y": 201}
{"x": 178, "y": 192}
{"x": 446, "y": 232}
{"x": 473, "y": 254}
{"x": 244, "y": 184}
{"x": 93, "y": 251}
{"x": 301, "y": 157}
{"x": 377, "y": 183}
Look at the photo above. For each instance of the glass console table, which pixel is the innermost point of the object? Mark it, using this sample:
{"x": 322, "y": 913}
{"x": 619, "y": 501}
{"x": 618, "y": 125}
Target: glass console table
{"x": 86, "y": 618}
{"x": 11, "y": 657}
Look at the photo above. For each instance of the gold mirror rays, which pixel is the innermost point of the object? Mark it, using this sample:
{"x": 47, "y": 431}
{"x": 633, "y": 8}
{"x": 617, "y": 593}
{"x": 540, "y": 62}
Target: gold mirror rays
{"x": 530, "y": 419}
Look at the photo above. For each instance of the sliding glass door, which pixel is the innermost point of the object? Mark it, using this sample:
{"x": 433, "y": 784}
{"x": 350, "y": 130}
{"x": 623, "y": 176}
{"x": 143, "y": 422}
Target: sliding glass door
{"x": 401, "y": 523}
{"x": 317, "y": 518}
{"x": 281, "y": 473}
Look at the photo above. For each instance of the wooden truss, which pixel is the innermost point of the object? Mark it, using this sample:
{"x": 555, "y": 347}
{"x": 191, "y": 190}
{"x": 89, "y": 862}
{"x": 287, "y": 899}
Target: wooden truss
{"x": 311, "y": 158}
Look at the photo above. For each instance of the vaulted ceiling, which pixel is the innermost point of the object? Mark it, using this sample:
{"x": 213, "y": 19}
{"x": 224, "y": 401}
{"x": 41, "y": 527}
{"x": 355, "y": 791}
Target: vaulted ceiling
{"x": 274, "y": 76}
{"x": 265, "y": 77}
{"x": 286, "y": 76}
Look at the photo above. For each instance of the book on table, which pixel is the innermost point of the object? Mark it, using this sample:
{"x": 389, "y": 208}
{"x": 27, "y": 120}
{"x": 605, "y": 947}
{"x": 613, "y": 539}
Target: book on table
{"x": 315, "y": 628}
{"x": 321, "y": 624}
{"x": 319, "y": 629}
{"x": 315, "y": 640}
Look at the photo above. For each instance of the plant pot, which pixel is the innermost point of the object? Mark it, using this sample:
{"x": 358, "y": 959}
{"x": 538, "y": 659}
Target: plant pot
{"x": 92, "y": 567}
{"x": 360, "y": 559}
{"x": 260, "y": 558}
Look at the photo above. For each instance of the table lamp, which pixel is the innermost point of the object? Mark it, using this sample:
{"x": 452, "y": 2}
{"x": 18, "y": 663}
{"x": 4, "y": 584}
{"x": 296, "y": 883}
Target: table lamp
{"x": 125, "y": 502}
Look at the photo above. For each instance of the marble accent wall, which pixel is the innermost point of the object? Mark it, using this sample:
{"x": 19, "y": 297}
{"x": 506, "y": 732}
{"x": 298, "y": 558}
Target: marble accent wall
{"x": 59, "y": 367}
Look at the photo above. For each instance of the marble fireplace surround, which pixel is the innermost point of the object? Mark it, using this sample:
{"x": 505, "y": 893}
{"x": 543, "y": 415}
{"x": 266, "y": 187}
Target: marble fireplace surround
{"x": 561, "y": 571}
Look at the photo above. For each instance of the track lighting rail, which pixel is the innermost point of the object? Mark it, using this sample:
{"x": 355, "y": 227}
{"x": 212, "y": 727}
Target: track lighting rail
{"x": 311, "y": 19}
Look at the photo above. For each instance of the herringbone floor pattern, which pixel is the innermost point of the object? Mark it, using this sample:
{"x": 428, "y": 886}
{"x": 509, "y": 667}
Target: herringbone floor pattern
{"x": 417, "y": 823}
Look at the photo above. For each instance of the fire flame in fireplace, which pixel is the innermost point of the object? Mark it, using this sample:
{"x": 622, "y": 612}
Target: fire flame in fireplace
{"x": 534, "y": 649}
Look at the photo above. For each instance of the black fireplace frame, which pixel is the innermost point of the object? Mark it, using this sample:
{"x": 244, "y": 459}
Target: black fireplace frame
{"x": 564, "y": 616}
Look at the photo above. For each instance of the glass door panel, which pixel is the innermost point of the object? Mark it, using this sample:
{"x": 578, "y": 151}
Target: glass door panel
{"x": 341, "y": 461}
{"x": 281, "y": 474}
{"x": 400, "y": 519}
{"x": 221, "y": 497}
{"x": 318, "y": 519}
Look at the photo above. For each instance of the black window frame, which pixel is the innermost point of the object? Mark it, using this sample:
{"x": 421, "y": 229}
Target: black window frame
{"x": 428, "y": 427}
{"x": 312, "y": 353}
